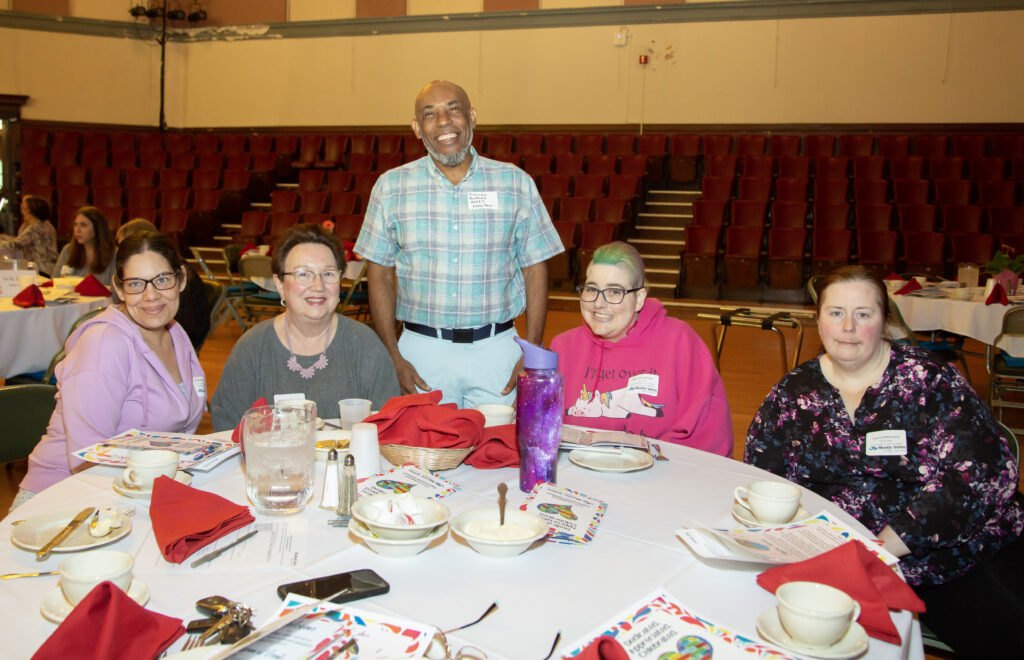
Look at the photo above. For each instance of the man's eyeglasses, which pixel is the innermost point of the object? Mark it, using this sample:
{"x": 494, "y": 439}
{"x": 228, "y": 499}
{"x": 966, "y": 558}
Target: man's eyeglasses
{"x": 613, "y": 295}
{"x": 307, "y": 277}
{"x": 161, "y": 282}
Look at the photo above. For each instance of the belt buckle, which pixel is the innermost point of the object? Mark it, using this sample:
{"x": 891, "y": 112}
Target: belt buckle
{"x": 463, "y": 335}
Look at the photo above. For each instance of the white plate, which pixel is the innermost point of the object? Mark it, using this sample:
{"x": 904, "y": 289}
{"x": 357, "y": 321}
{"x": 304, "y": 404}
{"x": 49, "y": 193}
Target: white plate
{"x": 55, "y": 607}
{"x": 853, "y": 643}
{"x": 35, "y": 532}
{"x": 743, "y": 515}
{"x": 145, "y": 494}
{"x": 630, "y": 460}
{"x": 198, "y": 653}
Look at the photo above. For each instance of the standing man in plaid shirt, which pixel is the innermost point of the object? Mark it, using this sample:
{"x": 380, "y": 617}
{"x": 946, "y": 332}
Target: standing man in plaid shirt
{"x": 457, "y": 245}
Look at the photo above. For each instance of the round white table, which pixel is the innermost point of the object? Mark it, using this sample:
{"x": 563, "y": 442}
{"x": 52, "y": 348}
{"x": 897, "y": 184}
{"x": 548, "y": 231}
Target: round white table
{"x": 550, "y": 588}
{"x": 970, "y": 318}
{"x": 30, "y": 337}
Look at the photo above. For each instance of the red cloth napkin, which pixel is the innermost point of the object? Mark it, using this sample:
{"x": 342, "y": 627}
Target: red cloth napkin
{"x": 863, "y": 576}
{"x": 894, "y": 278}
{"x": 605, "y": 647}
{"x": 998, "y": 295}
{"x": 46, "y": 284}
{"x": 109, "y": 625}
{"x": 498, "y": 448}
{"x": 186, "y": 519}
{"x": 350, "y": 254}
{"x": 30, "y": 296}
{"x": 912, "y": 285}
{"x": 417, "y": 420}
{"x": 91, "y": 286}
{"x": 249, "y": 247}
{"x": 236, "y": 435}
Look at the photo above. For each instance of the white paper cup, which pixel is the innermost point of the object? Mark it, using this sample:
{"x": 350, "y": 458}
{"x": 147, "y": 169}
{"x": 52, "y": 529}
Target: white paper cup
{"x": 815, "y": 614}
{"x": 365, "y": 449}
{"x": 353, "y": 411}
{"x": 144, "y": 467}
{"x": 82, "y": 571}
{"x": 921, "y": 279}
{"x": 496, "y": 414}
{"x": 770, "y": 501}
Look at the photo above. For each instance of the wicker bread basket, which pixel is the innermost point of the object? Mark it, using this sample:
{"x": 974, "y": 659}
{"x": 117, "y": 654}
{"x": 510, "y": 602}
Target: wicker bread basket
{"x": 428, "y": 458}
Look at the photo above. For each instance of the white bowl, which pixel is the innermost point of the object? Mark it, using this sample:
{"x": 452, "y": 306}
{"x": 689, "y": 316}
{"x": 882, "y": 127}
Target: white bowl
{"x": 960, "y": 294}
{"x": 464, "y": 524}
{"x": 434, "y": 513}
{"x": 395, "y": 547}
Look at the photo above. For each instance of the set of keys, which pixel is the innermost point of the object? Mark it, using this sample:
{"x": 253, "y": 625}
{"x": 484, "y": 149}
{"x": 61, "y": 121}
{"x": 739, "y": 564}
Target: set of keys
{"x": 227, "y": 620}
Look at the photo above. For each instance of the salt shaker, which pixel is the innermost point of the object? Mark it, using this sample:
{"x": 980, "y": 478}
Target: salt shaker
{"x": 349, "y": 493}
{"x": 331, "y": 475}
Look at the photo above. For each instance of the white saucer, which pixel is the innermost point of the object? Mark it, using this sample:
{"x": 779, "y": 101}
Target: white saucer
{"x": 55, "y": 607}
{"x": 630, "y": 460}
{"x": 33, "y": 534}
{"x": 853, "y": 643}
{"x": 146, "y": 493}
{"x": 743, "y": 515}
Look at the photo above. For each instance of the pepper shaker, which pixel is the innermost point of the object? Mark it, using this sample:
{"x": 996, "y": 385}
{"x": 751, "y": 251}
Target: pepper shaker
{"x": 349, "y": 493}
{"x": 331, "y": 475}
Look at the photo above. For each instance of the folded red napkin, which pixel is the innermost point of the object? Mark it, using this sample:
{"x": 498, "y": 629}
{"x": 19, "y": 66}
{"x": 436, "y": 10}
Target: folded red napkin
{"x": 109, "y": 625}
{"x": 605, "y": 647}
{"x": 249, "y": 247}
{"x": 350, "y": 254}
{"x": 998, "y": 295}
{"x": 236, "y": 435}
{"x": 90, "y": 286}
{"x": 853, "y": 569}
{"x": 498, "y": 448}
{"x": 417, "y": 420}
{"x": 48, "y": 283}
{"x": 894, "y": 278}
{"x": 912, "y": 285}
{"x": 186, "y": 519}
{"x": 30, "y": 296}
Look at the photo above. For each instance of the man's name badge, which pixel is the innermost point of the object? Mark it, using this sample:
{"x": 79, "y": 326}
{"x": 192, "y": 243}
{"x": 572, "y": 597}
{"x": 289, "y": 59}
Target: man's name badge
{"x": 483, "y": 200}
{"x": 886, "y": 443}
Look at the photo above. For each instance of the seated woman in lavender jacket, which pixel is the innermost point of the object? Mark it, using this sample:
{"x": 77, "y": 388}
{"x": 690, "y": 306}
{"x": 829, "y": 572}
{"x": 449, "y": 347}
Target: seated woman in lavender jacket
{"x": 130, "y": 366}
{"x": 633, "y": 368}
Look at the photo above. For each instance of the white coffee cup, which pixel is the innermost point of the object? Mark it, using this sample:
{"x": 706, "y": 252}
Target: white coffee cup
{"x": 815, "y": 614}
{"x": 82, "y": 571}
{"x": 921, "y": 279}
{"x": 770, "y": 501}
{"x": 353, "y": 411}
{"x": 496, "y": 414}
{"x": 145, "y": 466}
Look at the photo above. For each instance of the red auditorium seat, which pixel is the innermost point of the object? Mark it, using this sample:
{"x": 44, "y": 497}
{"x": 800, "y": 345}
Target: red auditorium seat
{"x": 720, "y": 165}
{"x": 872, "y": 217}
{"x": 859, "y": 144}
{"x": 910, "y": 191}
{"x": 784, "y": 145}
{"x": 750, "y": 145}
{"x": 754, "y": 188}
{"x": 279, "y": 224}
{"x": 588, "y": 185}
{"x": 177, "y": 143}
{"x": 124, "y": 159}
{"x": 987, "y": 169}
{"x": 870, "y": 191}
{"x": 389, "y": 143}
{"x": 575, "y": 209}
{"x": 186, "y": 160}
{"x": 893, "y": 146}
{"x": 230, "y": 143}
{"x": 561, "y": 267}
{"x": 151, "y": 142}
{"x": 173, "y": 223}
{"x": 589, "y": 143}
{"x": 1007, "y": 146}
{"x": 360, "y": 143}
{"x": 142, "y": 203}
{"x": 957, "y": 191}
{"x": 716, "y": 187}
{"x": 924, "y": 252}
{"x": 309, "y": 150}
{"x": 868, "y": 167}
{"x": 115, "y": 216}
{"x": 66, "y": 176}
{"x": 363, "y": 184}
{"x": 360, "y": 162}
{"x": 709, "y": 212}
{"x": 830, "y": 216}
{"x": 254, "y": 225}
{"x": 638, "y": 164}
{"x": 997, "y": 193}
{"x": 387, "y": 162}
{"x": 789, "y": 215}
{"x": 603, "y": 164}
{"x": 313, "y": 202}
{"x": 1006, "y": 220}
{"x": 786, "y": 258}
{"x": 38, "y": 175}
{"x": 877, "y": 251}
{"x": 311, "y": 180}
{"x": 620, "y": 143}
{"x": 831, "y": 191}
{"x": 529, "y": 144}
{"x": 795, "y": 167}
{"x": 284, "y": 201}
{"x": 910, "y": 167}
{"x": 969, "y": 146}
{"x": 569, "y": 163}
{"x": 140, "y": 178}
{"x": 748, "y": 213}
{"x": 316, "y": 218}
{"x": 413, "y": 149}
{"x": 174, "y": 178}
{"x": 831, "y": 167}
{"x": 948, "y": 168}
{"x": 916, "y": 217}
{"x": 261, "y": 144}
{"x": 108, "y": 196}
{"x": 684, "y": 152}
{"x": 175, "y": 199}
{"x": 556, "y": 185}
{"x": 791, "y": 189}
{"x": 76, "y": 196}
{"x": 550, "y": 204}
{"x": 537, "y": 164}
{"x": 624, "y": 186}
{"x": 206, "y": 179}
{"x": 344, "y": 203}
{"x": 613, "y": 211}
{"x": 558, "y": 143}
{"x": 335, "y": 148}
{"x": 931, "y": 146}
{"x": 592, "y": 236}
{"x": 699, "y": 258}
{"x": 715, "y": 145}
{"x": 153, "y": 160}
{"x": 339, "y": 181}
{"x": 961, "y": 219}
{"x": 95, "y": 158}
{"x": 759, "y": 166}
{"x": 817, "y": 146}
{"x": 741, "y": 260}
{"x": 830, "y": 248}
{"x": 974, "y": 248}
{"x": 347, "y": 226}
{"x": 33, "y": 156}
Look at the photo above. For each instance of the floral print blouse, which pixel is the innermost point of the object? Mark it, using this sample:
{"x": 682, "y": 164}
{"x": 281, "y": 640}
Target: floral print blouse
{"x": 952, "y": 497}
{"x": 38, "y": 241}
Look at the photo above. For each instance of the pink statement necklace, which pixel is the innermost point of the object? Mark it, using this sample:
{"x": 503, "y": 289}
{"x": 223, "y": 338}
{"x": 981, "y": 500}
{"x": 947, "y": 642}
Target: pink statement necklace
{"x": 293, "y": 363}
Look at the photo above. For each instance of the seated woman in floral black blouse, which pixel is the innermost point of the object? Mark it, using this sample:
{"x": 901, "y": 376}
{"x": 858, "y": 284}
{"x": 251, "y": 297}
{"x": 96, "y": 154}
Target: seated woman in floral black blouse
{"x": 901, "y": 442}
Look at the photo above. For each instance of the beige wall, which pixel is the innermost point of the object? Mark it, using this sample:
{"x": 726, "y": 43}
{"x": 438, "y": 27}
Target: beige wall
{"x": 871, "y": 70}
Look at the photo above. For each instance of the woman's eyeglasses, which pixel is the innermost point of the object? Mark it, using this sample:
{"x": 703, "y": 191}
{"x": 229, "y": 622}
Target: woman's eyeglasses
{"x": 161, "y": 282}
{"x": 613, "y": 295}
{"x": 307, "y": 277}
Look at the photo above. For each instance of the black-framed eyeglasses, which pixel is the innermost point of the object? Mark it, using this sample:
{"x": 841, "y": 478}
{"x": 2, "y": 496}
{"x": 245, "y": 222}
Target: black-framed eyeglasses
{"x": 161, "y": 282}
{"x": 307, "y": 277}
{"x": 613, "y": 295}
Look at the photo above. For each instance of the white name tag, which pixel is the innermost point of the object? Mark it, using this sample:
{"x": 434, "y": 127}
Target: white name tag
{"x": 886, "y": 443}
{"x": 643, "y": 384}
{"x": 278, "y": 398}
{"x": 199, "y": 385}
{"x": 482, "y": 200}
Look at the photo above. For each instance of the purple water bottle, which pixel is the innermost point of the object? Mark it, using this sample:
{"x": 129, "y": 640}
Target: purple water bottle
{"x": 538, "y": 415}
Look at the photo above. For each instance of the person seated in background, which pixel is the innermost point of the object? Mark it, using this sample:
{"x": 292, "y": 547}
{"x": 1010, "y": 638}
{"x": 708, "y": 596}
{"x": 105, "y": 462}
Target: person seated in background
{"x": 36, "y": 239}
{"x": 193, "y": 312}
{"x": 91, "y": 250}
{"x": 633, "y": 368}
{"x": 901, "y": 442}
{"x": 129, "y": 367}
{"x": 309, "y": 349}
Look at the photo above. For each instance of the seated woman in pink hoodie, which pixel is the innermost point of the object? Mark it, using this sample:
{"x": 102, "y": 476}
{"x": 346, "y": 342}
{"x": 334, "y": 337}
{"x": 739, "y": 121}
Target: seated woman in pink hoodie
{"x": 633, "y": 368}
{"x": 130, "y": 366}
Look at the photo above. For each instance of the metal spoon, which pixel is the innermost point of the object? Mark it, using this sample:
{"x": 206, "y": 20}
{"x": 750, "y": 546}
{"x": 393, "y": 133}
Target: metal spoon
{"x": 11, "y": 576}
{"x": 502, "y": 489}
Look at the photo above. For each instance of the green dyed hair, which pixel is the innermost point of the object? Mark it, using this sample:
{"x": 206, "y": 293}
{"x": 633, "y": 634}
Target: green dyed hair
{"x": 624, "y": 256}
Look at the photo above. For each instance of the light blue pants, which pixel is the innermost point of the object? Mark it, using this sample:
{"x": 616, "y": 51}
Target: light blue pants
{"x": 467, "y": 374}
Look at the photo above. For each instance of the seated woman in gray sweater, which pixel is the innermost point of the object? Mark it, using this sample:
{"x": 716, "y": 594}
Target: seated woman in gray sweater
{"x": 309, "y": 349}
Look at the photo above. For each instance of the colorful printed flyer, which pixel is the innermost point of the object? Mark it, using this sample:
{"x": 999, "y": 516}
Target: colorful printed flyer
{"x": 408, "y": 478}
{"x": 659, "y": 627}
{"x": 196, "y": 452}
{"x": 572, "y": 517}
{"x": 296, "y": 631}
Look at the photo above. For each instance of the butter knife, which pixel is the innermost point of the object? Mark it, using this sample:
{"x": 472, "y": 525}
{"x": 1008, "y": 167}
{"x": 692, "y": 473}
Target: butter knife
{"x": 11, "y": 576}
{"x": 217, "y": 553}
{"x": 44, "y": 552}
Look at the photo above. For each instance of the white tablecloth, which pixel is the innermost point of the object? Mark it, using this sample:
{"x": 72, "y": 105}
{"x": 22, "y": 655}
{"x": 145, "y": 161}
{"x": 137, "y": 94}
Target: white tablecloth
{"x": 549, "y": 588}
{"x": 29, "y": 338}
{"x": 969, "y": 318}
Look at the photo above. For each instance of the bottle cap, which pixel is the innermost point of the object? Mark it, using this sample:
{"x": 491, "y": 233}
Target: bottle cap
{"x": 536, "y": 357}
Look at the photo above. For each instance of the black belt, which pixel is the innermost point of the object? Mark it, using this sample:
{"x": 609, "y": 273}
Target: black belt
{"x": 461, "y": 335}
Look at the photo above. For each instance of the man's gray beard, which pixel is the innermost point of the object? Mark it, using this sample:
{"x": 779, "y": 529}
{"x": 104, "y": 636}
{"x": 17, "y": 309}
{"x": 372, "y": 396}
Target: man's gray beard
{"x": 450, "y": 160}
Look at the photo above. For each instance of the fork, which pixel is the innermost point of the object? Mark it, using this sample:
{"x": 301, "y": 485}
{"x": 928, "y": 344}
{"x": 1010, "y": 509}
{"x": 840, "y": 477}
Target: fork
{"x": 656, "y": 450}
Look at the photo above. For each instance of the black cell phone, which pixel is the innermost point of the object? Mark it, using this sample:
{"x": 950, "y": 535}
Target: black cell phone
{"x": 357, "y": 584}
